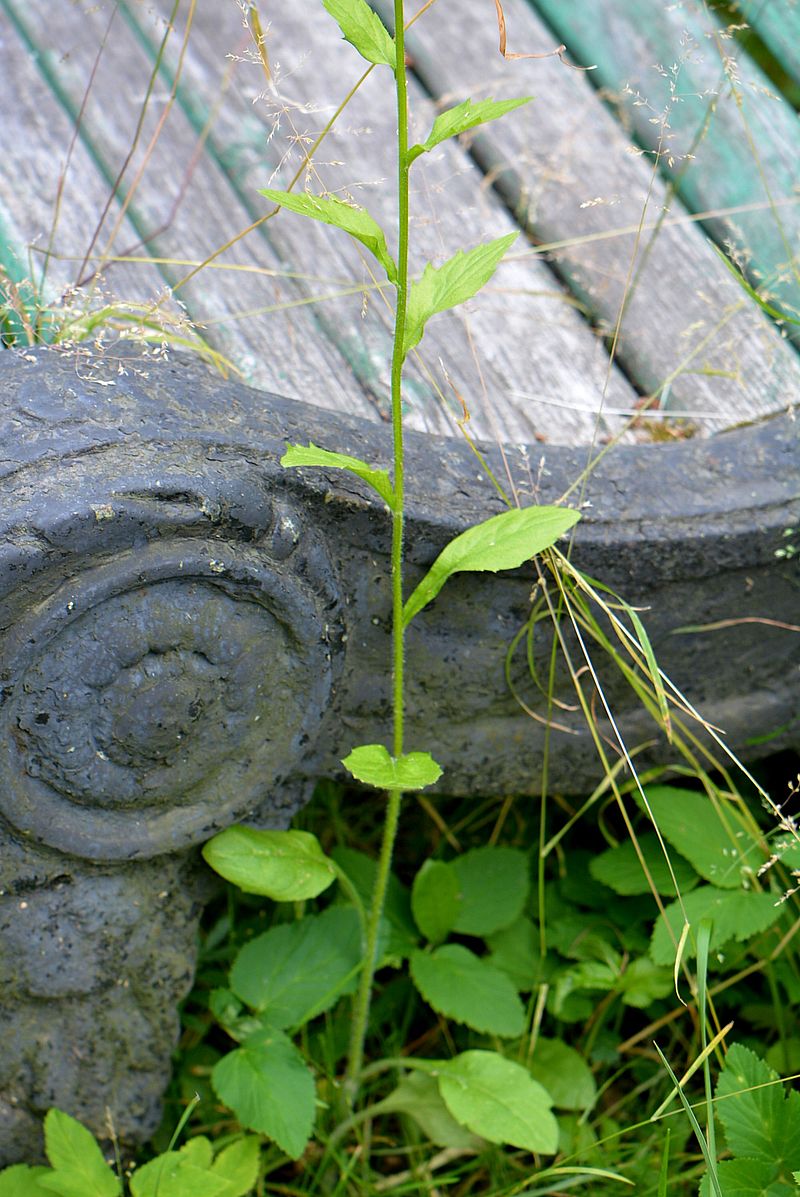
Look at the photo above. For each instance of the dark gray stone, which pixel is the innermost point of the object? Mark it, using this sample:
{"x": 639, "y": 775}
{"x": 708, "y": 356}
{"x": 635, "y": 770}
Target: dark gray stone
{"x": 190, "y": 635}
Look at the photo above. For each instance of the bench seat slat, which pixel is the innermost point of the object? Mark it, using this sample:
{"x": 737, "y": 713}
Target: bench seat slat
{"x": 567, "y": 163}
{"x": 749, "y": 152}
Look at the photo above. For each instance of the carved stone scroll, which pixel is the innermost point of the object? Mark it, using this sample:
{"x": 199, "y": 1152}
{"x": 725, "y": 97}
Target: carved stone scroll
{"x": 191, "y": 635}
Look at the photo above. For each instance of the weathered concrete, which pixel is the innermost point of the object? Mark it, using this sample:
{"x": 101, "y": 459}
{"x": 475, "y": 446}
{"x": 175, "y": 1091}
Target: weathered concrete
{"x": 191, "y": 635}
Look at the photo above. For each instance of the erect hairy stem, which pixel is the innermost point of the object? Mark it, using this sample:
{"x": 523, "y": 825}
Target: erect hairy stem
{"x": 394, "y": 797}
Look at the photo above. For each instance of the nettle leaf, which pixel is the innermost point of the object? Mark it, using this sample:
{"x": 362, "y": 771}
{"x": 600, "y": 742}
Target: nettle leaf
{"x": 452, "y": 283}
{"x": 237, "y": 1166}
{"x": 747, "y": 1178}
{"x": 499, "y": 1100}
{"x": 463, "y": 117}
{"x": 436, "y": 899}
{"x": 79, "y": 1169}
{"x": 287, "y": 866}
{"x": 373, "y": 764}
{"x": 418, "y": 1096}
{"x": 329, "y": 210}
{"x": 22, "y": 1180}
{"x": 505, "y": 541}
{"x": 364, "y": 29}
{"x": 173, "y": 1174}
{"x": 297, "y": 970}
{"x": 689, "y": 822}
{"x": 270, "y": 1090}
{"x": 735, "y": 914}
{"x": 620, "y": 869}
{"x": 311, "y": 455}
{"x": 494, "y": 889}
{"x": 564, "y": 1073}
{"x": 460, "y": 985}
{"x": 760, "y": 1120}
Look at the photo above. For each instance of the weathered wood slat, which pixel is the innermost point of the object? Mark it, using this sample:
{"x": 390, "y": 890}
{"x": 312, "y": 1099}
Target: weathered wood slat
{"x": 290, "y": 355}
{"x": 729, "y": 141}
{"x": 35, "y": 133}
{"x": 567, "y": 164}
{"x": 777, "y": 23}
{"x": 522, "y": 335}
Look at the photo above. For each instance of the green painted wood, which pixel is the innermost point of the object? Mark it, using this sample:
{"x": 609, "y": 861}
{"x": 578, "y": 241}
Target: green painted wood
{"x": 728, "y": 142}
{"x": 777, "y": 23}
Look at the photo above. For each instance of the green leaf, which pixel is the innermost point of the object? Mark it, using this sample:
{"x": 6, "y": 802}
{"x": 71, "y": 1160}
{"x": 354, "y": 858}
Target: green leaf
{"x": 494, "y": 889}
{"x": 564, "y": 1073}
{"x": 329, "y": 210}
{"x": 515, "y": 951}
{"x": 436, "y": 899}
{"x": 174, "y": 1175}
{"x": 361, "y": 870}
{"x": 747, "y": 1178}
{"x": 452, "y": 283}
{"x": 198, "y": 1151}
{"x": 463, "y": 987}
{"x": 287, "y": 866}
{"x": 418, "y": 1096}
{"x": 499, "y": 1100}
{"x": 465, "y": 116}
{"x": 79, "y": 1169}
{"x": 372, "y": 764}
{"x": 297, "y": 970}
{"x": 505, "y": 541}
{"x": 760, "y": 1121}
{"x": 643, "y": 982}
{"x": 363, "y": 29}
{"x": 270, "y": 1090}
{"x": 237, "y": 1165}
{"x": 311, "y": 455}
{"x": 688, "y": 820}
{"x": 23, "y": 1181}
{"x": 736, "y": 914}
{"x": 620, "y": 869}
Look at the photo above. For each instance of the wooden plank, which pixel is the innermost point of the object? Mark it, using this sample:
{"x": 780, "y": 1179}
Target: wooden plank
{"x": 728, "y": 141}
{"x": 35, "y": 134}
{"x": 521, "y": 336}
{"x": 288, "y": 355}
{"x": 777, "y": 23}
{"x": 568, "y": 165}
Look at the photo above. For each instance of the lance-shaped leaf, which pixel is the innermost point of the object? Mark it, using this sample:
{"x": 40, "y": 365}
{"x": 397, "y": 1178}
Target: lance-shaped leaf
{"x": 311, "y": 455}
{"x": 329, "y": 210}
{"x": 465, "y": 116}
{"x": 373, "y": 764}
{"x": 448, "y": 285}
{"x": 362, "y": 28}
{"x": 503, "y": 542}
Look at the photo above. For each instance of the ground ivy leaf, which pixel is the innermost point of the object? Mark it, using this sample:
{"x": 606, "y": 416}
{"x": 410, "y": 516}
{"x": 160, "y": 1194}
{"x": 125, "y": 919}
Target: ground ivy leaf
{"x": 689, "y": 821}
{"x": 329, "y": 210}
{"x": 499, "y": 1100}
{"x": 564, "y": 1073}
{"x": 620, "y": 869}
{"x": 418, "y": 1096}
{"x": 174, "y": 1175}
{"x": 373, "y": 764}
{"x": 295, "y": 971}
{"x": 436, "y": 899}
{"x": 237, "y": 1165}
{"x": 311, "y": 455}
{"x": 736, "y": 914}
{"x": 270, "y": 1090}
{"x": 21, "y": 1180}
{"x": 760, "y": 1120}
{"x": 494, "y": 889}
{"x": 460, "y": 985}
{"x": 452, "y": 283}
{"x": 465, "y": 116}
{"x": 79, "y": 1169}
{"x": 505, "y": 541}
{"x": 364, "y": 29}
{"x": 287, "y": 866}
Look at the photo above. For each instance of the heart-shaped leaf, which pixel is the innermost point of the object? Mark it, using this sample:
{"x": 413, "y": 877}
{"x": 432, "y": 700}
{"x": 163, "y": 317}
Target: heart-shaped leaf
{"x": 373, "y": 764}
